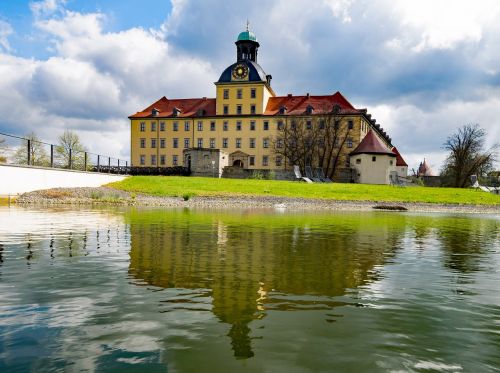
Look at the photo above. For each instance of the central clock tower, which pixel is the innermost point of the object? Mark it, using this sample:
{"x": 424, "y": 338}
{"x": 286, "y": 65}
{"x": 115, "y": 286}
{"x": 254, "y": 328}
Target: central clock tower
{"x": 243, "y": 88}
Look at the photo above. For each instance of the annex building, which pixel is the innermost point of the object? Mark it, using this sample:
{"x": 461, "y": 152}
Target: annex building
{"x": 256, "y": 128}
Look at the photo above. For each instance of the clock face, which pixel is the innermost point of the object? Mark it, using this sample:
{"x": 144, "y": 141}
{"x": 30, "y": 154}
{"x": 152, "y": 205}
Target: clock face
{"x": 240, "y": 71}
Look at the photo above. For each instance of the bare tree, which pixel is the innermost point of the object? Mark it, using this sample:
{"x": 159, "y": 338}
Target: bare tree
{"x": 3, "y": 147}
{"x": 468, "y": 155}
{"x": 37, "y": 154}
{"x": 316, "y": 141}
{"x": 71, "y": 150}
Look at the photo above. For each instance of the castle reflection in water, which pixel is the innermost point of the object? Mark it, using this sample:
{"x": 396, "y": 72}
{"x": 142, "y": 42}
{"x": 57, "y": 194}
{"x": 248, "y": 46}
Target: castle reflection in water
{"x": 246, "y": 261}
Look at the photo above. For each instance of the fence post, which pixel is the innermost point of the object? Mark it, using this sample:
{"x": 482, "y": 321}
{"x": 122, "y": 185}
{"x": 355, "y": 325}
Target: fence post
{"x": 70, "y": 159}
{"x": 98, "y": 163}
{"x": 29, "y": 152}
{"x": 85, "y": 163}
{"x": 119, "y": 165}
{"x": 109, "y": 165}
{"x": 51, "y": 155}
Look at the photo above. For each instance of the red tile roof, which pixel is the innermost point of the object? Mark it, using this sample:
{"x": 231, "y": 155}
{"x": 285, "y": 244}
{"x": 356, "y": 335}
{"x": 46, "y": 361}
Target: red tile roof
{"x": 399, "y": 159}
{"x": 295, "y": 105}
{"x": 189, "y": 107}
{"x": 371, "y": 144}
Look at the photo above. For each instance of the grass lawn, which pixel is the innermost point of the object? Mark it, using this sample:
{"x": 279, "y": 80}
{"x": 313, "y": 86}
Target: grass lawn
{"x": 200, "y": 186}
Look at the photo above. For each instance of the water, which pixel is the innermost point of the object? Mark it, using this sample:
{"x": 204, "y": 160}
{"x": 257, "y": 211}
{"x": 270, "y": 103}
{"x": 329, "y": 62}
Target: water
{"x": 194, "y": 291}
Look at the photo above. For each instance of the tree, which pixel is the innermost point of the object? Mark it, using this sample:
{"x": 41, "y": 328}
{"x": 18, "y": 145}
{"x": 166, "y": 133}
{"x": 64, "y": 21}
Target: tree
{"x": 468, "y": 155}
{"x": 316, "y": 141}
{"x": 38, "y": 155}
{"x": 3, "y": 158}
{"x": 71, "y": 150}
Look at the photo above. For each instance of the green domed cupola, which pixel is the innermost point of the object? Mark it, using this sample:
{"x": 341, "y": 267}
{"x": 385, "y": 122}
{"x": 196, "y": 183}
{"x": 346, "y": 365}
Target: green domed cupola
{"x": 247, "y": 35}
{"x": 247, "y": 46}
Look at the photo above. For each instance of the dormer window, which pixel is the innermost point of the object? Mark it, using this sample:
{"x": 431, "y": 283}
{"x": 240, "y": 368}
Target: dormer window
{"x": 176, "y": 112}
{"x": 283, "y": 109}
{"x": 309, "y": 109}
{"x": 155, "y": 112}
{"x": 200, "y": 112}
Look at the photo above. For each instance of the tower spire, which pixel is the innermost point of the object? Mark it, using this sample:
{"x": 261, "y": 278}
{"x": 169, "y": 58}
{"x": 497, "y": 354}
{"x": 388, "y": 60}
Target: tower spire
{"x": 248, "y": 25}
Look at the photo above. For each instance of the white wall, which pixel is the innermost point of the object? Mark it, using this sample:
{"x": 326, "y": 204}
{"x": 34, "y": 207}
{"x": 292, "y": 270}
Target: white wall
{"x": 373, "y": 172}
{"x": 16, "y": 180}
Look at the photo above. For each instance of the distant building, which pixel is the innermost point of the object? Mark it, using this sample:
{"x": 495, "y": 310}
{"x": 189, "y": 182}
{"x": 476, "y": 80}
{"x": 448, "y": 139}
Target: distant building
{"x": 243, "y": 120}
{"x": 425, "y": 170}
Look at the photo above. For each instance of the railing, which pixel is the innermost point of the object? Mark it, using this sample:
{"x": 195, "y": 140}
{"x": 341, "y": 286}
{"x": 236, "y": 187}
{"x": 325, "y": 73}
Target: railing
{"x": 16, "y": 150}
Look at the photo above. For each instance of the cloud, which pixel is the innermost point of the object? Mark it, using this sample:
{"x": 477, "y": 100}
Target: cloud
{"x": 94, "y": 80}
{"x": 46, "y": 7}
{"x": 5, "y": 31}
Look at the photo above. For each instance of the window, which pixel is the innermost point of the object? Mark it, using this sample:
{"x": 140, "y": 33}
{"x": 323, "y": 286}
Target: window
{"x": 226, "y": 110}
{"x": 226, "y": 94}
{"x": 265, "y": 160}
{"x": 253, "y": 93}
{"x": 348, "y": 161}
{"x": 143, "y": 126}
{"x": 239, "y": 94}
{"x": 252, "y": 109}
{"x": 162, "y": 143}
{"x": 279, "y": 143}
{"x": 309, "y": 125}
{"x": 176, "y": 126}
{"x": 224, "y": 142}
{"x": 200, "y": 126}
{"x": 293, "y": 125}
{"x": 162, "y": 126}
{"x": 358, "y": 161}
{"x": 350, "y": 124}
{"x": 252, "y": 125}
{"x": 153, "y": 143}
{"x": 238, "y": 126}
{"x": 175, "y": 143}
{"x": 251, "y": 160}
{"x": 238, "y": 109}
{"x": 225, "y": 126}
{"x": 278, "y": 161}
{"x": 252, "y": 143}
{"x": 200, "y": 143}
{"x": 266, "y": 125}
{"x": 265, "y": 143}
{"x": 162, "y": 160}
{"x": 374, "y": 159}
{"x": 174, "y": 160}
{"x": 322, "y": 124}
{"x": 143, "y": 159}
{"x": 336, "y": 125}
{"x": 349, "y": 142}
{"x": 391, "y": 163}
{"x": 186, "y": 143}
{"x": 321, "y": 142}
{"x": 280, "y": 125}
{"x": 212, "y": 126}
{"x": 186, "y": 126}
{"x": 238, "y": 143}
{"x": 153, "y": 160}
{"x": 153, "y": 126}
{"x": 212, "y": 143}
{"x": 143, "y": 143}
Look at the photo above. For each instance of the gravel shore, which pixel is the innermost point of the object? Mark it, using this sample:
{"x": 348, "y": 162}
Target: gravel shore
{"x": 109, "y": 196}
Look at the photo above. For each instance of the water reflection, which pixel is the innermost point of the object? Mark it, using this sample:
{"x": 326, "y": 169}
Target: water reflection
{"x": 252, "y": 264}
{"x": 225, "y": 291}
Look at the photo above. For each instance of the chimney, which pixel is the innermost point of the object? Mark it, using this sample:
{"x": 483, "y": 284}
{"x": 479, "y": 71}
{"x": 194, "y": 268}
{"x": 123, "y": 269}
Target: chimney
{"x": 307, "y": 94}
{"x": 289, "y": 95}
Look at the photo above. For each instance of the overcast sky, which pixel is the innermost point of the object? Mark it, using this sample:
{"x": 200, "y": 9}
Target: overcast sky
{"x": 421, "y": 67}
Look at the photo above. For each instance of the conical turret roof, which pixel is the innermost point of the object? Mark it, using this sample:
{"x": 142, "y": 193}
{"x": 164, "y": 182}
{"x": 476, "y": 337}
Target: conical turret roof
{"x": 371, "y": 144}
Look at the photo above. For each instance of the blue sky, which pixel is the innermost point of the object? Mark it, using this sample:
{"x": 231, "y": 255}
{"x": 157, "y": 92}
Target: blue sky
{"x": 422, "y": 68}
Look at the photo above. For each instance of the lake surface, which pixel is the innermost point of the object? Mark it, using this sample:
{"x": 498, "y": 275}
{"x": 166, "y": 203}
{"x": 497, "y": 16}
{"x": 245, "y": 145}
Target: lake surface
{"x": 197, "y": 291}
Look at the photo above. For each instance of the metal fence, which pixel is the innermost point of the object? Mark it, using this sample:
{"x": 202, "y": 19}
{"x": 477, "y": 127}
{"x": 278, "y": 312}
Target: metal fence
{"x": 16, "y": 150}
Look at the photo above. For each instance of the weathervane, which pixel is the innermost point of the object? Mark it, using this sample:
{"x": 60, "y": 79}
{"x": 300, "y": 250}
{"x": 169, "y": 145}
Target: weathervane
{"x": 248, "y": 25}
